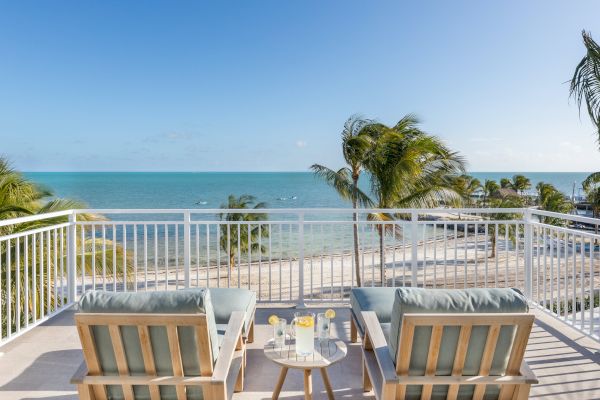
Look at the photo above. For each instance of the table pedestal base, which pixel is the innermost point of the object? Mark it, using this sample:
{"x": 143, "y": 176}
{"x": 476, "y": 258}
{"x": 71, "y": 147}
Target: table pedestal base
{"x": 307, "y": 383}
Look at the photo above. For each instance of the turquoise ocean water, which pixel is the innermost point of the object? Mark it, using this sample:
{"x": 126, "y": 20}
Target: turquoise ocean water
{"x": 210, "y": 189}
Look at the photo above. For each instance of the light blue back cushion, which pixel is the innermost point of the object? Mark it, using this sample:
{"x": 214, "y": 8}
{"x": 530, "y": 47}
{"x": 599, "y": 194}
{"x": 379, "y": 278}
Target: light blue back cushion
{"x": 193, "y": 301}
{"x": 433, "y": 301}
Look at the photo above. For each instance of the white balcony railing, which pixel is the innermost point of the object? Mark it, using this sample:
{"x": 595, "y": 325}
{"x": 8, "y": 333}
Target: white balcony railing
{"x": 297, "y": 256}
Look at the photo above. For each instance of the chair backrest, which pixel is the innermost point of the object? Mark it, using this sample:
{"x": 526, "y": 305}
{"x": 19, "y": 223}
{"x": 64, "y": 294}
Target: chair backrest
{"x": 459, "y": 332}
{"x": 148, "y": 334}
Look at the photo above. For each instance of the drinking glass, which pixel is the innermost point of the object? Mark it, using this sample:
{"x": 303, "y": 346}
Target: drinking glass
{"x": 279, "y": 332}
{"x": 303, "y": 328}
{"x": 323, "y": 324}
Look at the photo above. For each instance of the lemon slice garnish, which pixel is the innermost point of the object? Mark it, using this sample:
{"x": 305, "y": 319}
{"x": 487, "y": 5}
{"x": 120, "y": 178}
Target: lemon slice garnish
{"x": 273, "y": 320}
{"x": 305, "y": 322}
{"x": 330, "y": 314}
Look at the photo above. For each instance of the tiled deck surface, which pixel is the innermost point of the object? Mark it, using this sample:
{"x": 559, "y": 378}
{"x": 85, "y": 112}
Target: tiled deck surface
{"x": 39, "y": 364}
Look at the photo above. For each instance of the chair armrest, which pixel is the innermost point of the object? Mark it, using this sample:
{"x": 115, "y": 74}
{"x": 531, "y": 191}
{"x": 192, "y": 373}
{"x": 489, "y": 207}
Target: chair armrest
{"x": 374, "y": 336}
{"x": 233, "y": 334}
{"x": 81, "y": 373}
{"x": 528, "y": 373}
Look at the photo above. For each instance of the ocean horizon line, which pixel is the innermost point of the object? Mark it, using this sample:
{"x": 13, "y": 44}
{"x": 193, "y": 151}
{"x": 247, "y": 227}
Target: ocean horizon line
{"x": 274, "y": 172}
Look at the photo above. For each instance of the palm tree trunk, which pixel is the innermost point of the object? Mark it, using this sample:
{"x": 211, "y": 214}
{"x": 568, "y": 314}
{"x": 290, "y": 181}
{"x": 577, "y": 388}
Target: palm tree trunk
{"x": 231, "y": 262}
{"x": 493, "y": 240}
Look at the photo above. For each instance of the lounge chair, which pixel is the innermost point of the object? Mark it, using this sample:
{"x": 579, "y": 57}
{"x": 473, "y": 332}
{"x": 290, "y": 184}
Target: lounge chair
{"x": 377, "y": 299}
{"x": 158, "y": 345}
{"x": 228, "y": 300}
{"x": 449, "y": 344}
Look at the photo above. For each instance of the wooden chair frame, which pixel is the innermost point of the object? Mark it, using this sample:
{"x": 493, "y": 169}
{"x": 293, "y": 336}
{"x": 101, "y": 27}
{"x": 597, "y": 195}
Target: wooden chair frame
{"x": 389, "y": 381}
{"x": 91, "y": 383}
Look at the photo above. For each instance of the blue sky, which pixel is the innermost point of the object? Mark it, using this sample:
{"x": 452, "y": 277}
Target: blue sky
{"x": 267, "y": 85}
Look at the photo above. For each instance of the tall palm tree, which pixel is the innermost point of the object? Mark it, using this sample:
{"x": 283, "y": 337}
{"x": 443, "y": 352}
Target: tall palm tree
{"x": 238, "y": 238}
{"x": 490, "y": 187}
{"x": 585, "y": 84}
{"x": 345, "y": 180}
{"x": 408, "y": 168}
{"x": 505, "y": 183}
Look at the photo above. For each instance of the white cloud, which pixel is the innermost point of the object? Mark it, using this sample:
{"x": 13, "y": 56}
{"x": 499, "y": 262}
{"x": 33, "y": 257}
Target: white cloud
{"x": 301, "y": 144}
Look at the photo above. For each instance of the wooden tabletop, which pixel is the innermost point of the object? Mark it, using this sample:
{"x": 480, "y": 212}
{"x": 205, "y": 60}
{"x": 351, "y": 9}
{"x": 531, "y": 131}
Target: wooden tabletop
{"x": 325, "y": 354}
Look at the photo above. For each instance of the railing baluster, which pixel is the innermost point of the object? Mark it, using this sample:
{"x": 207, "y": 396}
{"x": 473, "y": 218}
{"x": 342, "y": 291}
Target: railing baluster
{"x": 198, "y": 255}
{"x": 176, "y": 249}
{"x": 93, "y": 233}
{"x": 208, "y": 255}
{"x": 114, "y": 256}
{"x": 104, "y": 257}
{"x": 26, "y": 279}
{"x": 166, "y": 257}
{"x": 17, "y": 285}
{"x": 155, "y": 257}
{"x": 135, "y": 258}
{"x": 34, "y": 288}
{"x": 8, "y": 289}
{"x": 145, "y": 257}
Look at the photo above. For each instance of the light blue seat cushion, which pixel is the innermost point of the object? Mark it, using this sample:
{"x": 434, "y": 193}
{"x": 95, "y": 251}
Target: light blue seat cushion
{"x": 427, "y": 301}
{"x": 227, "y": 300}
{"x": 377, "y": 299}
{"x": 196, "y": 301}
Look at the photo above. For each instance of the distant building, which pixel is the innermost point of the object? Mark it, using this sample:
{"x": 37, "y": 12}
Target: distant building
{"x": 505, "y": 193}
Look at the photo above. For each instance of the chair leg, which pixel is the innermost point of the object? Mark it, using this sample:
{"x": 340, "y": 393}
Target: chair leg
{"x": 522, "y": 392}
{"x": 215, "y": 391}
{"x": 353, "y": 331}
{"x": 251, "y": 332}
{"x": 239, "y": 383}
{"x": 388, "y": 392}
{"x": 85, "y": 392}
{"x": 367, "y": 385}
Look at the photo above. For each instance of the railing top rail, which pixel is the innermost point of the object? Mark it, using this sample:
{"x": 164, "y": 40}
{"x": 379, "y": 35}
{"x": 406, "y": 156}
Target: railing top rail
{"x": 300, "y": 210}
{"x": 570, "y": 217}
{"x": 37, "y": 217}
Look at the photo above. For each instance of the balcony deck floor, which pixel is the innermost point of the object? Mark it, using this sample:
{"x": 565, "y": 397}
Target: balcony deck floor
{"x": 39, "y": 364}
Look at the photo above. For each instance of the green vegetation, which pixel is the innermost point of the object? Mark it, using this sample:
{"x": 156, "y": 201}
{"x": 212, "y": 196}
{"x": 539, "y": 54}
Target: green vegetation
{"x": 240, "y": 238}
{"x": 490, "y": 187}
{"x": 408, "y": 168}
{"x": 20, "y": 197}
{"x": 563, "y": 308}
{"x": 467, "y": 186}
{"x": 585, "y": 84}
{"x": 345, "y": 180}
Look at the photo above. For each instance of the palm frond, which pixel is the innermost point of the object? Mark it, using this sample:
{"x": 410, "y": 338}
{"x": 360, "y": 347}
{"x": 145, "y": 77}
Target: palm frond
{"x": 585, "y": 84}
{"x": 341, "y": 181}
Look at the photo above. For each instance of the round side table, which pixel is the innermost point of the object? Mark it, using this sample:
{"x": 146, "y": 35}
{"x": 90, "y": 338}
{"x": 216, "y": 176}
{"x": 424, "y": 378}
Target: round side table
{"x": 325, "y": 354}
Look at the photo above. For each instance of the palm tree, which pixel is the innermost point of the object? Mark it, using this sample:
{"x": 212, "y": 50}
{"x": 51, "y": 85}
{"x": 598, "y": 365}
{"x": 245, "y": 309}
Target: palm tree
{"x": 505, "y": 183}
{"x": 489, "y": 188}
{"x": 510, "y": 230}
{"x": 520, "y": 183}
{"x": 345, "y": 180}
{"x": 585, "y": 84}
{"x": 551, "y": 199}
{"x": 408, "y": 168}
{"x": 467, "y": 185}
{"x": 21, "y": 197}
{"x": 238, "y": 238}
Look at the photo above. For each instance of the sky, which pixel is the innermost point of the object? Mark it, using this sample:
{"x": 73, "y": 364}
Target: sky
{"x": 267, "y": 85}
